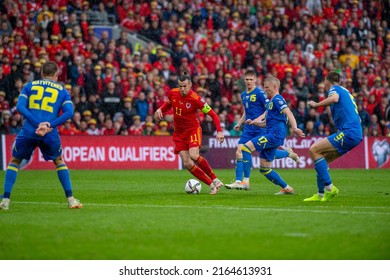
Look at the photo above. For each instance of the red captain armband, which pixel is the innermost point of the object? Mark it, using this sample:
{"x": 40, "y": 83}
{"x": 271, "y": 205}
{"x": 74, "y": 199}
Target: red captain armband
{"x": 216, "y": 120}
{"x": 165, "y": 107}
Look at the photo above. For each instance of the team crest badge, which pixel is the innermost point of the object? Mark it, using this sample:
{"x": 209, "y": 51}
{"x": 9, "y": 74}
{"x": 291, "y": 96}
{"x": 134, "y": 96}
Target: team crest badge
{"x": 188, "y": 105}
{"x": 270, "y": 105}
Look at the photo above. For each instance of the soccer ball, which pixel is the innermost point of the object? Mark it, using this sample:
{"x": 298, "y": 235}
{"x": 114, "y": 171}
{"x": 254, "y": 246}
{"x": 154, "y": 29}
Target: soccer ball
{"x": 193, "y": 186}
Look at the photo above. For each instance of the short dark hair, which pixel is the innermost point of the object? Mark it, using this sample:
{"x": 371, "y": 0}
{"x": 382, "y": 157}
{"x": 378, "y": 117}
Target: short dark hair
{"x": 184, "y": 76}
{"x": 49, "y": 69}
{"x": 250, "y": 72}
{"x": 333, "y": 77}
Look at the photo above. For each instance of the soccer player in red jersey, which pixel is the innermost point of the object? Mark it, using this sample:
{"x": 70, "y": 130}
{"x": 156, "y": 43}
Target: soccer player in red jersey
{"x": 188, "y": 133}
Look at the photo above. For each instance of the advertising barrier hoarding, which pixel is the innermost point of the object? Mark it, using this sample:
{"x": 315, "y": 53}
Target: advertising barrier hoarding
{"x": 107, "y": 152}
{"x": 157, "y": 152}
{"x": 223, "y": 155}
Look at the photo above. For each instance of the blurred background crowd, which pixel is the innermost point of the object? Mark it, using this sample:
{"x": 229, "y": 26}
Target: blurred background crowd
{"x": 117, "y": 85}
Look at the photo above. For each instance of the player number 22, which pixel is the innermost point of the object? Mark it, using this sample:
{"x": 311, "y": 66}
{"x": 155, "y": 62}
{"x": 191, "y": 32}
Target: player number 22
{"x": 46, "y": 100}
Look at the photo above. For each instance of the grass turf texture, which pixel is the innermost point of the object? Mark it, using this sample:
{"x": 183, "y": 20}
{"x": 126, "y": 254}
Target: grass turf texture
{"x": 147, "y": 215}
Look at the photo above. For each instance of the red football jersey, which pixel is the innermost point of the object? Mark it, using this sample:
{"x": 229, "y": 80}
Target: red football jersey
{"x": 185, "y": 108}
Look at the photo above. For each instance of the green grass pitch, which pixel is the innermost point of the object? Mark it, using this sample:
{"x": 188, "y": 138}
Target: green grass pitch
{"x": 144, "y": 215}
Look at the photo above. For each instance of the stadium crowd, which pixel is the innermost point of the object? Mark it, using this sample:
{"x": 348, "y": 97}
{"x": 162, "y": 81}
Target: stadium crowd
{"x": 116, "y": 86}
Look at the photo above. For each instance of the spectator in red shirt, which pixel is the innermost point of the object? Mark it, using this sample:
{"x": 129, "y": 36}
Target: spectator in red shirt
{"x": 4, "y": 104}
{"x": 108, "y": 128}
{"x": 68, "y": 129}
{"x": 54, "y": 47}
{"x": 210, "y": 60}
{"x": 371, "y": 104}
{"x": 289, "y": 95}
{"x": 377, "y": 90}
{"x": 84, "y": 26}
{"x": 136, "y": 128}
{"x": 68, "y": 41}
{"x": 56, "y": 26}
{"x": 227, "y": 86}
{"x": 374, "y": 129}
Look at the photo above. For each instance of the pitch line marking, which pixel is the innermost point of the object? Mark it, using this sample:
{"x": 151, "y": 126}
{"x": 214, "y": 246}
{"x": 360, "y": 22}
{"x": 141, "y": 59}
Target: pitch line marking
{"x": 264, "y": 209}
{"x": 296, "y": 234}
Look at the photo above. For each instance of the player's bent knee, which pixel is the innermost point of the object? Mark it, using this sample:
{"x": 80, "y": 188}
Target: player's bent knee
{"x": 194, "y": 157}
{"x": 188, "y": 165}
{"x": 265, "y": 170}
{"x": 15, "y": 161}
{"x": 314, "y": 151}
{"x": 247, "y": 149}
{"x": 59, "y": 160}
{"x": 194, "y": 154}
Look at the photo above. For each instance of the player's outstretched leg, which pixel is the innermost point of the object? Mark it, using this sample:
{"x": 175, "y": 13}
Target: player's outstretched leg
{"x": 205, "y": 166}
{"x": 287, "y": 153}
{"x": 201, "y": 175}
{"x": 281, "y": 154}
{"x": 274, "y": 177}
{"x": 9, "y": 182}
{"x": 291, "y": 154}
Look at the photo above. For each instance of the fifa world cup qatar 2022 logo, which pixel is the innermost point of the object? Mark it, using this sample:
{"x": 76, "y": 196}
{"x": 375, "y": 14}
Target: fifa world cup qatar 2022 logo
{"x": 381, "y": 151}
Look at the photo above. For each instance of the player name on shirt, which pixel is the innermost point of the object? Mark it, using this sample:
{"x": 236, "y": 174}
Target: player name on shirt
{"x": 47, "y": 83}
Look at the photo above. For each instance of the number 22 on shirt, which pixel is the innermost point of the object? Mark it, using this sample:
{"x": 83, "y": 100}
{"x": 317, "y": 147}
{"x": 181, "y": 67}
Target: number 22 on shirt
{"x": 45, "y": 100}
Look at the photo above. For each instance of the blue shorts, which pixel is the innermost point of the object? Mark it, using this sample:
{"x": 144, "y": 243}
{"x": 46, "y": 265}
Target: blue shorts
{"x": 248, "y": 135}
{"x": 50, "y": 146}
{"x": 344, "y": 141}
{"x": 267, "y": 145}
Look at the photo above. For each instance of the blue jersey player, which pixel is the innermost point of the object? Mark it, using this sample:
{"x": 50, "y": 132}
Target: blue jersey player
{"x": 346, "y": 119}
{"x": 40, "y": 103}
{"x": 276, "y": 117}
{"x": 255, "y": 102}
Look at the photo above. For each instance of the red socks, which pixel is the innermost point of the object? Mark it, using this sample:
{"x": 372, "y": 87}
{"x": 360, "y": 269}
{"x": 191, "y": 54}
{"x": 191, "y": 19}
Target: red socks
{"x": 205, "y": 166}
{"x": 200, "y": 174}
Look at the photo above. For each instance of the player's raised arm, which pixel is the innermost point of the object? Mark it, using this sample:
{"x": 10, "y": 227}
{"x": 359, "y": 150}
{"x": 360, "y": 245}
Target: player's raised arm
{"x": 331, "y": 99}
{"x": 207, "y": 110}
{"x": 293, "y": 122}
